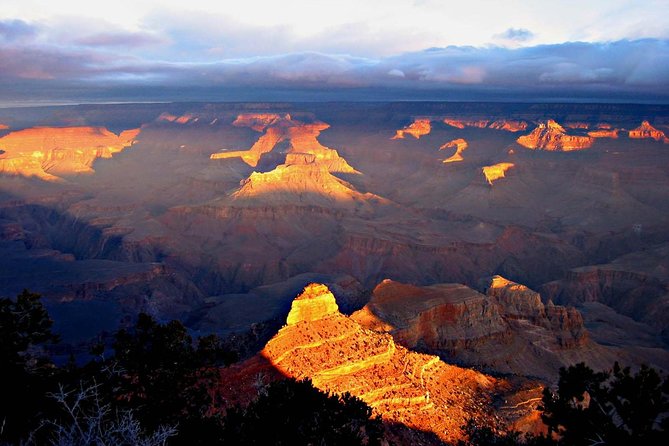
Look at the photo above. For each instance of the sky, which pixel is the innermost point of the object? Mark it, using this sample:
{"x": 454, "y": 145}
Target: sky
{"x": 140, "y": 50}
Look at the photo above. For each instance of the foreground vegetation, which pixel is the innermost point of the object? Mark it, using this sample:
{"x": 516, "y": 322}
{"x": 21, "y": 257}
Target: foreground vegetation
{"x": 156, "y": 386}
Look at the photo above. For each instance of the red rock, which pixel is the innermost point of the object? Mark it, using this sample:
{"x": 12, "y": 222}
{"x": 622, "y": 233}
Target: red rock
{"x": 460, "y": 145}
{"x": 645, "y": 130}
{"x": 419, "y": 127}
{"x": 49, "y": 152}
{"x": 551, "y": 136}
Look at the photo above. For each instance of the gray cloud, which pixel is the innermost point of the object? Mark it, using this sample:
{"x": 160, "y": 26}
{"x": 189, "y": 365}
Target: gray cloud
{"x": 516, "y": 35}
{"x": 132, "y": 63}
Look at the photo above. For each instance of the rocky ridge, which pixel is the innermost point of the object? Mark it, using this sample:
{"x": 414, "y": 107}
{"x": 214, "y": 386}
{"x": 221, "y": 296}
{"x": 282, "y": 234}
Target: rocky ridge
{"x": 645, "y": 130}
{"x": 338, "y": 355}
{"x": 51, "y": 152}
{"x": 552, "y": 136}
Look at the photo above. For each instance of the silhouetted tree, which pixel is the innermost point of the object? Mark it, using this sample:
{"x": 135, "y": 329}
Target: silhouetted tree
{"x": 27, "y": 373}
{"x": 293, "y": 412}
{"x": 618, "y": 408}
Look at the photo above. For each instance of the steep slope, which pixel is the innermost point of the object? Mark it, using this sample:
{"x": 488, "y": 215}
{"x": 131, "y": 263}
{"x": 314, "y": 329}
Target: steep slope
{"x": 645, "y": 130}
{"x": 49, "y": 152}
{"x": 552, "y": 136}
{"x": 506, "y": 330}
{"x": 338, "y": 355}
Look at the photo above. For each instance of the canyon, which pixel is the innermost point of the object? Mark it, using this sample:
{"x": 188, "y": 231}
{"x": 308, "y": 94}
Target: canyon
{"x": 511, "y": 239}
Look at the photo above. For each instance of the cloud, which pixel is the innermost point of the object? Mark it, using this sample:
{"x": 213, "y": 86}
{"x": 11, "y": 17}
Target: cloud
{"x": 515, "y": 35}
{"x": 16, "y": 30}
{"x": 120, "y": 39}
{"x": 131, "y": 62}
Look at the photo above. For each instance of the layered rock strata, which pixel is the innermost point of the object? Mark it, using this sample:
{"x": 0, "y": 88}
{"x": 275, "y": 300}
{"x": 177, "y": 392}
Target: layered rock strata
{"x": 552, "y": 136}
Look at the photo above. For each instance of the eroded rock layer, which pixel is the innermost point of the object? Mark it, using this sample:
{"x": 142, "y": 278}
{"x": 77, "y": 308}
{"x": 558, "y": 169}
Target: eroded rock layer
{"x": 49, "y": 152}
{"x": 645, "y": 130}
{"x": 338, "y": 355}
{"x": 301, "y": 138}
{"x": 496, "y": 171}
{"x": 419, "y": 127}
{"x": 552, "y": 136}
{"x": 460, "y": 145}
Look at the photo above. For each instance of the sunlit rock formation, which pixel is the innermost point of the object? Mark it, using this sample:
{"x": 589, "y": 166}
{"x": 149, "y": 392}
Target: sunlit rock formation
{"x": 299, "y": 184}
{"x": 50, "y": 152}
{"x": 187, "y": 118}
{"x": 577, "y": 125}
{"x": 460, "y": 145}
{"x": 496, "y": 171}
{"x": 301, "y": 138}
{"x": 552, "y": 136}
{"x": 509, "y": 125}
{"x": 338, "y": 355}
{"x": 507, "y": 329}
{"x": 4, "y": 126}
{"x": 604, "y": 133}
{"x": 500, "y": 124}
{"x": 419, "y": 127}
{"x": 645, "y": 130}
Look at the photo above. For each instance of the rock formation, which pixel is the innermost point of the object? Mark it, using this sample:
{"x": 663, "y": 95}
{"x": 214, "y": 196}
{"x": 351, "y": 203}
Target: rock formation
{"x": 460, "y": 145}
{"x": 496, "y": 171}
{"x": 49, "y": 152}
{"x": 338, "y": 355}
{"x": 645, "y": 130}
{"x": 187, "y": 118}
{"x": 500, "y": 124}
{"x": 507, "y": 329}
{"x": 419, "y": 127}
{"x": 552, "y": 136}
{"x": 604, "y": 133}
{"x": 4, "y": 126}
{"x": 303, "y": 145}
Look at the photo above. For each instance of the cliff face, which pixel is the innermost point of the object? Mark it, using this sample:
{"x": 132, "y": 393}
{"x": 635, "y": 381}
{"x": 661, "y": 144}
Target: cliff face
{"x": 552, "y": 136}
{"x": 419, "y": 127}
{"x": 604, "y": 133}
{"x": 48, "y": 152}
{"x": 645, "y": 130}
{"x": 507, "y": 330}
{"x": 338, "y": 355}
{"x": 460, "y": 145}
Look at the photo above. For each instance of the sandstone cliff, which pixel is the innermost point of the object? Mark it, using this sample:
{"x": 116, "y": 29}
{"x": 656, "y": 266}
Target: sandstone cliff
{"x": 552, "y": 136}
{"x": 50, "y": 152}
{"x": 460, "y": 145}
{"x": 419, "y": 127}
{"x": 338, "y": 355}
{"x": 507, "y": 330}
{"x": 645, "y": 130}
{"x": 604, "y": 133}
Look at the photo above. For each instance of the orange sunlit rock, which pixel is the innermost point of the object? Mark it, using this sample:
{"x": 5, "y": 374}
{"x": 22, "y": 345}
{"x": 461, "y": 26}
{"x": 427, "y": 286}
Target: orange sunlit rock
{"x": 552, "y": 136}
{"x": 462, "y": 123}
{"x": 509, "y": 126}
{"x": 307, "y": 184}
{"x": 460, "y": 145}
{"x": 4, "y": 127}
{"x": 604, "y": 133}
{"x": 183, "y": 119}
{"x": 645, "y": 130}
{"x": 302, "y": 138}
{"x": 496, "y": 171}
{"x": 500, "y": 124}
{"x": 419, "y": 127}
{"x": 577, "y": 125}
{"x": 49, "y": 152}
{"x": 402, "y": 386}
